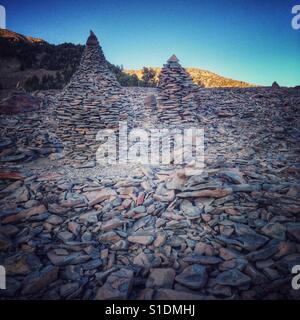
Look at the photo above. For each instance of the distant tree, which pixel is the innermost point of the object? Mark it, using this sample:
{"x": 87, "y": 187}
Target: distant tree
{"x": 32, "y": 83}
{"x": 22, "y": 67}
{"x": 134, "y": 81}
{"x": 45, "y": 84}
{"x": 148, "y": 77}
{"x": 59, "y": 80}
{"x": 51, "y": 81}
{"x": 126, "y": 80}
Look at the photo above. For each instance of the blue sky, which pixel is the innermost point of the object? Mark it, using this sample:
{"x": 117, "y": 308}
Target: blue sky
{"x": 242, "y": 39}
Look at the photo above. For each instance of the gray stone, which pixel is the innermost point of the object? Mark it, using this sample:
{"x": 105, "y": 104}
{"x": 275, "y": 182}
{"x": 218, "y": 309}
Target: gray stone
{"x": 293, "y": 230}
{"x": 65, "y": 236}
{"x": 161, "y": 278}
{"x": 189, "y": 210}
{"x": 201, "y": 259}
{"x": 263, "y": 254}
{"x": 251, "y": 242}
{"x": 39, "y": 280}
{"x": 194, "y": 277}
{"x": 117, "y": 286}
{"x": 274, "y": 230}
{"x": 68, "y": 288}
{"x": 73, "y": 258}
{"x": 233, "y": 278}
{"x": 141, "y": 238}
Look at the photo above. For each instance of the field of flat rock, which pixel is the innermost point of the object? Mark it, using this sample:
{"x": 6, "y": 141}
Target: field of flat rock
{"x": 71, "y": 228}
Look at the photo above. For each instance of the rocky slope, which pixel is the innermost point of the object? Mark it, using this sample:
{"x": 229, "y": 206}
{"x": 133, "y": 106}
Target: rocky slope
{"x": 70, "y": 229}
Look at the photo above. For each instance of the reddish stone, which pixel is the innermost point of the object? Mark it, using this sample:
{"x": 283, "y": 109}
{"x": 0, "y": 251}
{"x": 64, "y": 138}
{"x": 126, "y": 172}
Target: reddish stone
{"x": 140, "y": 199}
{"x": 25, "y": 214}
{"x": 12, "y": 175}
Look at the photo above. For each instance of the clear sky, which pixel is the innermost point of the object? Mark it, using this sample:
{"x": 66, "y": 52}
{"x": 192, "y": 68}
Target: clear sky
{"x": 242, "y": 39}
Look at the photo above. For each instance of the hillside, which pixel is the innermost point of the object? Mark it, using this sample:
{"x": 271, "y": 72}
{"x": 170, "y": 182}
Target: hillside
{"x": 19, "y": 38}
{"x": 201, "y": 77}
{"x": 36, "y": 64}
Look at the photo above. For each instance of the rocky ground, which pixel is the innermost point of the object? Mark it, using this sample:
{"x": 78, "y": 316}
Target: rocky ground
{"x": 72, "y": 229}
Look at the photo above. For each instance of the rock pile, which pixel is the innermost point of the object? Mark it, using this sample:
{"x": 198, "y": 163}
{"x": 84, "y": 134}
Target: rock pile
{"x": 164, "y": 234}
{"x": 232, "y": 232}
{"x": 176, "y": 94}
{"x": 156, "y": 232}
{"x": 28, "y": 133}
{"x": 275, "y": 85}
{"x": 144, "y": 103}
{"x": 93, "y": 100}
{"x": 150, "y": 103}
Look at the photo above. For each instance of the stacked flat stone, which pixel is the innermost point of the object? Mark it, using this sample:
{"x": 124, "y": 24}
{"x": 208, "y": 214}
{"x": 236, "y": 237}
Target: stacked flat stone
{"x": 176, "y": 103}
{"x": 93, "y": 100}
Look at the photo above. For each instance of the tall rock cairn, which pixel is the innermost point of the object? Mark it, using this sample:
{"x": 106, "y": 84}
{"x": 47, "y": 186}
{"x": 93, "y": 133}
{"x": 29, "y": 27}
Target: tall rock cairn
{"x": 93, "y": 100}
{"x": 176, "y": 103}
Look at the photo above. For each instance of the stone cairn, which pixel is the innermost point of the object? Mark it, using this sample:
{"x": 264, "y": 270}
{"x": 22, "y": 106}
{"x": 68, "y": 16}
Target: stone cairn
{"x": 93, "y": 100}
{"x": 176, "y": 103}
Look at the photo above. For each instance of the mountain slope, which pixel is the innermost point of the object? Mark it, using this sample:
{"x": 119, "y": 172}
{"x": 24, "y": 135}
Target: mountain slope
{"x": 35, "y": 64}
{"x": 201, "y": 77}
{"x": 17, "y": 37}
